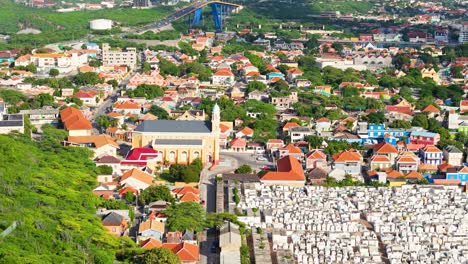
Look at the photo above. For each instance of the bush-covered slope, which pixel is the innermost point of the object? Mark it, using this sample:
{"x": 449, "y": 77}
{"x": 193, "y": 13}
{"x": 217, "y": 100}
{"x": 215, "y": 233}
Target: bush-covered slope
{"x": 46, "y": 189}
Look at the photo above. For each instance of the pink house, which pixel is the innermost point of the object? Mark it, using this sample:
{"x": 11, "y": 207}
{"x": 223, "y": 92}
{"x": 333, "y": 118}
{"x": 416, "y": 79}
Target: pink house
{"x": 316, "y": 159}
{"x": 424, "y": 138}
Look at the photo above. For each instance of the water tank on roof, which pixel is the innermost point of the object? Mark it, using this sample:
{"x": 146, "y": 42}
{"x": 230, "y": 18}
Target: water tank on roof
{"x": 100, "y": 24}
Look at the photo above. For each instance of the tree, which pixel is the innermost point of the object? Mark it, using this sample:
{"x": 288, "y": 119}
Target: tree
{"x": 87, "y": 78}
{"x": 155, "y": 193}
{"x": 314, "y": 141}
{"x": 255, "y": 86}
{"x": 160, "y": 112}
{"x": 160, "y": 256}
{"x": 146, "y": 67}
{"x": 420, "y": 120}
{"x": 53, "y": 72}
{"x": 104, "y": 170}
{"x": 400, "y": 124}
{"x": 185, "y": 216}
{"x": 376, "y": 118}
{"x": 244, "y": 169}
{"x": 130, "y": 197}
{"x": 114, "y": 83}
{"x": 337, "y": 46}
{"x": 146, "y": 90}
{"x": 104, "y": 121}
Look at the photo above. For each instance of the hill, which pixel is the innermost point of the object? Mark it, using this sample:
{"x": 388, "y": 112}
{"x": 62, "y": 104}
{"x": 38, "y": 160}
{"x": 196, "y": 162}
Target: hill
{"x": 46, "y": 189}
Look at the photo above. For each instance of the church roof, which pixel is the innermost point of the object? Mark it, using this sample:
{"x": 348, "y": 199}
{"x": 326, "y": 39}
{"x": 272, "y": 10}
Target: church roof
{"x": 168, "y": 126}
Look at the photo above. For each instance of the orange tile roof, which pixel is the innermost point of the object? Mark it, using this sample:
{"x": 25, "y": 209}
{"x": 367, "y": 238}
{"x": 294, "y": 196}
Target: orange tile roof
{"x": 73, "y": 119}
{"x": 224, "y": 128}
{"x": 150, "y": 243}
{"x": 292, "y": 149}
{"x": 394, "y": 174}
{"x": 323, "y": 120}
{"x": 380, "y": 158}
{"x": 185, "y": 190}
{"x": 127, "y": 105}
{"x": 190, "y": 197}
{"x": 347, "y": 155}
{"x": 414, "y": 175}
{"x": 288, "y": 169}
{"x": 430, "y": 109}
{"x": 427, "y": 167}
{"x": 384, "y": 147}
{"x": 98, "y": 141}
{"x": 185, "y": 251}
{"x": 223, "y": 72}
{"x": 464, "y": 170}
{"x": 139, "y": 175}
{"x": 246, "y": 131}
{"x": 316, "y": 154}
{"x": 238, "y": 142}
{"x": 289, "y": 125}
{"x": 446, "y": 182}
{"x": 114, "y": 114}
{"x": 274, "y": 141}
{"x": 430, "y": 148}
{"x": 151, "y": 224}
{"x": 407, "y": 159}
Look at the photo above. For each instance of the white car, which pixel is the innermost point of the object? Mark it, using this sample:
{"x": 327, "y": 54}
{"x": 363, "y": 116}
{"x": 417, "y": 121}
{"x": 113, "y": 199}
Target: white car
{"x": 261, "y": 158}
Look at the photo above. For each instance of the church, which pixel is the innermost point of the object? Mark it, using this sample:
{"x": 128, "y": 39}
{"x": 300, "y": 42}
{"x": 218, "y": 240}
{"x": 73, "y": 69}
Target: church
{"x": 180, "y": 142}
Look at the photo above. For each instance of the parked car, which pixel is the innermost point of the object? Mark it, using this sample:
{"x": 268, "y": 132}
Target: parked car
{"x": 262, "y": 158}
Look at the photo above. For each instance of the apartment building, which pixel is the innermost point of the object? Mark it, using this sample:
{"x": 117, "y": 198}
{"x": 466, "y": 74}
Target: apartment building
{"x": 127, "y": 57}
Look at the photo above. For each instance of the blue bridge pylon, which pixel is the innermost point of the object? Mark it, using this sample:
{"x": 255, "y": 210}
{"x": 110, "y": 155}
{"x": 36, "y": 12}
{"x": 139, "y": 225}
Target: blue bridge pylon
{"x": 218, "y": 10}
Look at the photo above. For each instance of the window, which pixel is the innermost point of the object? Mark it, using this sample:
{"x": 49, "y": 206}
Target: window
{"x": 171, "y": 156}
{"x": 183, "y": 157}
{"x": 114, "y": 229}
{"x": 196, "y": 154}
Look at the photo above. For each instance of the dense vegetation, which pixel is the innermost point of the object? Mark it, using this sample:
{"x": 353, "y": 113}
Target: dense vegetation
{"x": 57, "y": 27}
{"x": 46, "y": 189}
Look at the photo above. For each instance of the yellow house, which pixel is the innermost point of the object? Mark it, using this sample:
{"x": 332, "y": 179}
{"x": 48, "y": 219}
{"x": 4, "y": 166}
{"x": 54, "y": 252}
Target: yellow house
{"x": 430, "y": 73}
{"x": 180, "y": 142}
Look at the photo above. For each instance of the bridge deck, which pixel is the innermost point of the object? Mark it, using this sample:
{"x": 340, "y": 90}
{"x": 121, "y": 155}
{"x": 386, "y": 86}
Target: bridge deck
{"x": 186, "y": 11}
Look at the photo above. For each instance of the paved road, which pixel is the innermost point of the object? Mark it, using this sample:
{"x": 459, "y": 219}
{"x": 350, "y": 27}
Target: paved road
{"x": 237, "y": 159}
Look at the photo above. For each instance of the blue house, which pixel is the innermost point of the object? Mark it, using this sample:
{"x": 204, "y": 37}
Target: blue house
{"x": 461, "y": 175}
{"x": 377, "y": 133}
{"x": 272, "y": 75}
{"x": 151, "y": 228}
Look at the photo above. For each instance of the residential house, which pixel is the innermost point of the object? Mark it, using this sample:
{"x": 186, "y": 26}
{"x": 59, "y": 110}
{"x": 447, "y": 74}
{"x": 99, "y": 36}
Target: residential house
{"x": 424, "y": 138}
{"x": 322, "y": 124}
{"x": 245, "y": 132}
{"x": 316, "y": 176}
{"x": 291, "y": 150}
{"x": 463, "y": 106}
{"x": 431, "y": 111}
{"x": 431, "y": 155}
{"x": 453, "y": 155}
{"x": 289, "y": 125}
{"x": 89, "y": 98}
{"x": 151, "y": 229}
{"x": 274, "y": 144}
{"x": 379, "y": 162}
{"x": 284, "y": 102}
{"x": 75, "y": 122}
{"x": 140, "y": 158}
{"x": 101, "y": 145}
{"x": 293, "y": 74}
{"x": 289, "y": 172}
{"x": 299, "y": 133}
{"x": 137, "y": 179}
{"x": 150, "y": 243}
{"x": 349, "y": 161}
{"x": 461, "y": 175}
{"x": 115, "y": 223}
{"x": 111, "y": 161}
{"x": 186, "y": 194}
{"x": 316, "y": 159}
{"x": 238, "y": 144}
{"x": 386, "y": 149}
{"x": 223, "y": 77}
{"x": 407, "y": 162}
{"x": 431, "y": 73}
{"x": 224, "y": 133}
{"x": 188, "y": 253}
{"x": 127, "y": 107}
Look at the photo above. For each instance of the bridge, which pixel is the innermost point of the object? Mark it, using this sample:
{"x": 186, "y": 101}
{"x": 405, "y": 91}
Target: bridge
{"x": 194, "y": 12}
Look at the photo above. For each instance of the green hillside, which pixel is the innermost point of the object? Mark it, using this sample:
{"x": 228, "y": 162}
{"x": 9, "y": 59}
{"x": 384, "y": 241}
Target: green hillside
{"x": 58, "y": 27}
{"x": 46, "y": 189}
